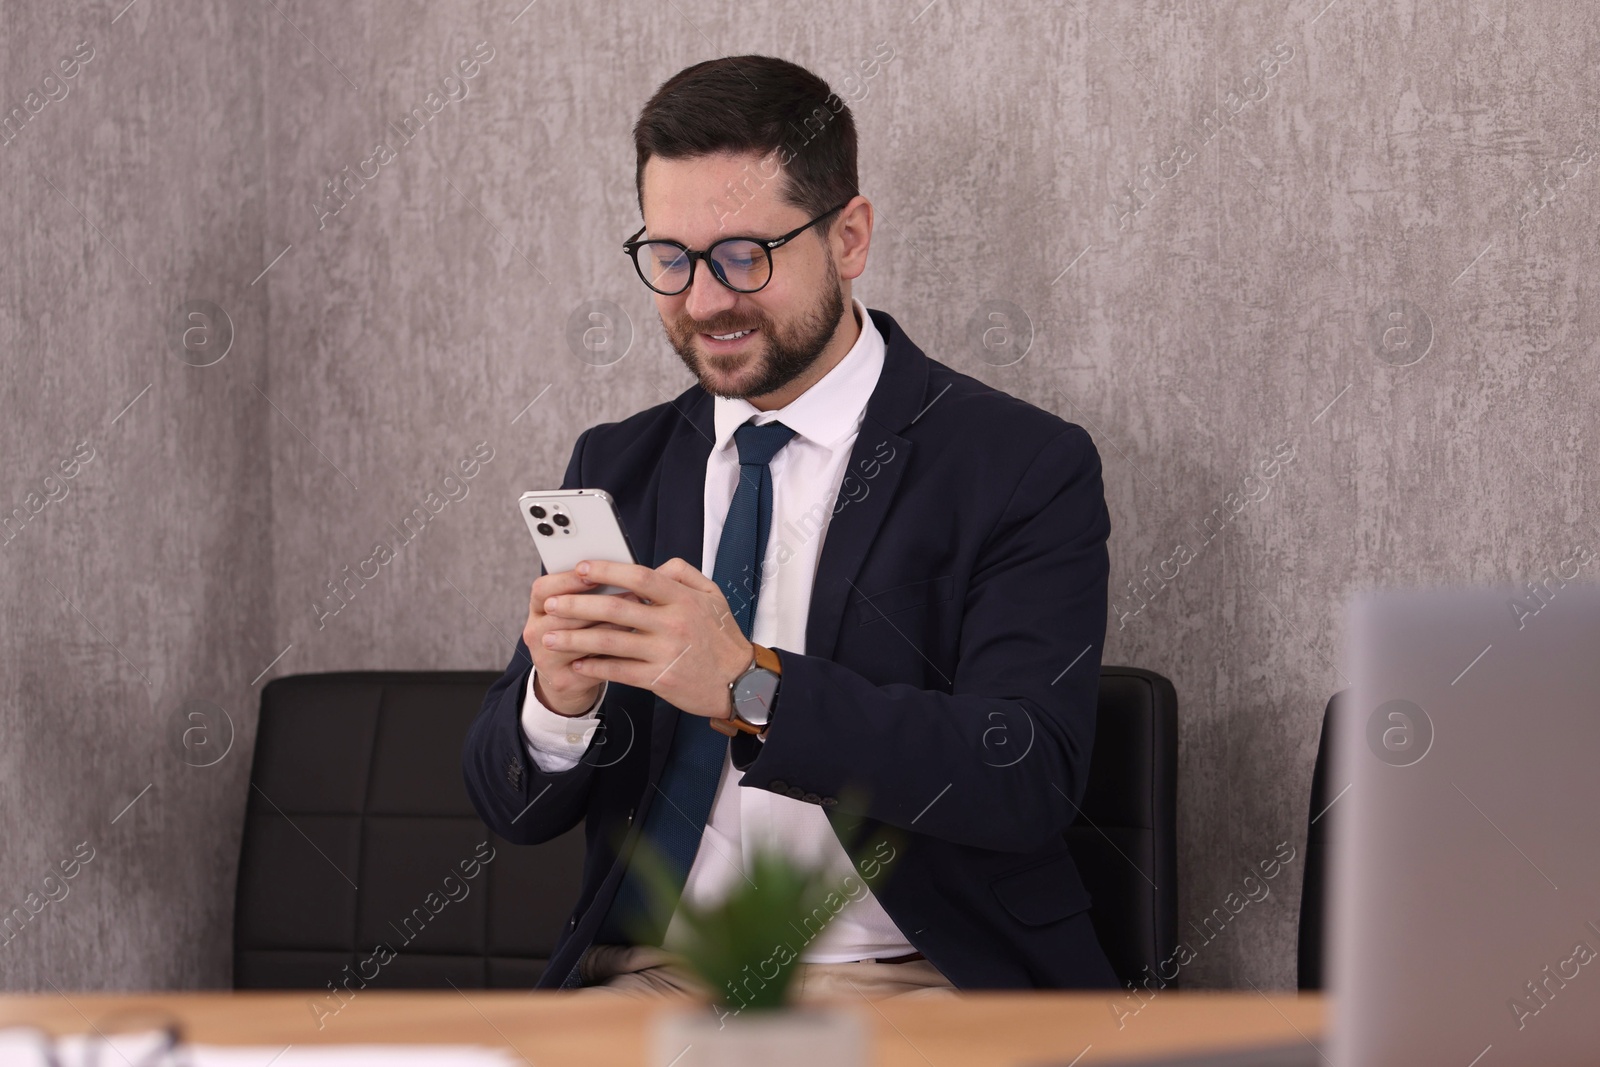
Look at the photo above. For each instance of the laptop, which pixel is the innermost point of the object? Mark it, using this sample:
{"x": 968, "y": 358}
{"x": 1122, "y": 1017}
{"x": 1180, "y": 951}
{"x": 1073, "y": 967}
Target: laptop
{"x": 1464, "y": 914}
{"x": 1465, "y": 891}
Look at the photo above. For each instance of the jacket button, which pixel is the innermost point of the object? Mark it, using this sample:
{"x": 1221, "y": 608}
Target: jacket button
{"x": 829, "y": 802}
{"x": 796, "y": 792}
{"x": 630, "y": 816}
{"x": 572, "y": 922}
{"x": 778, "y": 785}
{"x": 812, "y": 798}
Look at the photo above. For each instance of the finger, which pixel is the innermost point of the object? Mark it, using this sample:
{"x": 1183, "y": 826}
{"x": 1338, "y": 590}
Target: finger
{"x": 626, "y": 613}
{"x": 612, "y": 669}
{"x": 557, "y": 584}
{"x": 562, "y": 622}
{"x": 681, "y": 570}
{"x": 640, "y": 673}
{"x": 598, "y": 641}
{"x": 634, "y": 577}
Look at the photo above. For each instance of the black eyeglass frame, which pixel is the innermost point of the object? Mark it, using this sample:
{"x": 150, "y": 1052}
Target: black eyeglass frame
{"x": 632, "y": 245}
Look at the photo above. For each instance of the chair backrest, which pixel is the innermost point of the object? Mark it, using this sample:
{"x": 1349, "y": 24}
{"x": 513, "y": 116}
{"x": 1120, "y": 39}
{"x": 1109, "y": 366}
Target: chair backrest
{"x": 1325, "y": 789}
{"x": 359, "y": 832}
{"x": 1125, "y": 840}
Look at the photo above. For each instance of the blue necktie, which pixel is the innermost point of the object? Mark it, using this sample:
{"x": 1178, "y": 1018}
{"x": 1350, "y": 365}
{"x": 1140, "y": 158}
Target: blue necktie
{"x": 688, "y": 785}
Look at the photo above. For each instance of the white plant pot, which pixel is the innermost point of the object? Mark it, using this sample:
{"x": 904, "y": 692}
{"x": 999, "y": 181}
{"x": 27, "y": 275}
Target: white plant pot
{"x": 805, "y": 1036}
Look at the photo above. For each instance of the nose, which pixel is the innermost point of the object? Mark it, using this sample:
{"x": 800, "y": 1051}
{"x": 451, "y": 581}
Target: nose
{"x": 707, "y": 297}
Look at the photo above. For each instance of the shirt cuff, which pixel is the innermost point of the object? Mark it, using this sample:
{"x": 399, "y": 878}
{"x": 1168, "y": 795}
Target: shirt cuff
{"x": 553, "y": 734}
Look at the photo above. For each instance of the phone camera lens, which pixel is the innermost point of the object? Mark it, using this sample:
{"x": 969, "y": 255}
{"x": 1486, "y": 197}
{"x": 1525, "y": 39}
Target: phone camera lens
{"x": 561, "y": 520}
{"x": 536, "y": 511}
{"x": 544, "y": 528}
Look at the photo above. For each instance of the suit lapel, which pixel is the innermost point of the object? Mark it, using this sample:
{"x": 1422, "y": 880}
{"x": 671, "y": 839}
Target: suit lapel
{"x": 680, "y": 524}
{"x": 878, "y": 461}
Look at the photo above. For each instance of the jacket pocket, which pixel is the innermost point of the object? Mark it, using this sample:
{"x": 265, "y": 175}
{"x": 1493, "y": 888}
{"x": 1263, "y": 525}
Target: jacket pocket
{"x": 871, "y": 608}
{"x": 1046, "y": 892}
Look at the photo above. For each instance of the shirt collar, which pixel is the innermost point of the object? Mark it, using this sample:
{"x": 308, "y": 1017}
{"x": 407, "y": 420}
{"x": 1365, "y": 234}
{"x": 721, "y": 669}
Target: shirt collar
{"x": 828, "y": 411}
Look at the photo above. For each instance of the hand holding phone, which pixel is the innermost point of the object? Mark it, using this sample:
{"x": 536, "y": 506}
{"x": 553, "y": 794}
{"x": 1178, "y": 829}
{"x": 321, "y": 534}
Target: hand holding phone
{"x": 568, "y": 526}
{"x": 572, "y": 525}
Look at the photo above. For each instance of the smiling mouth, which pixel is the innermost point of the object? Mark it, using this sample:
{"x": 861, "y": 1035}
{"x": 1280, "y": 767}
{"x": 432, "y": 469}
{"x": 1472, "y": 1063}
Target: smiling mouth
{"x": 727, "y": 344}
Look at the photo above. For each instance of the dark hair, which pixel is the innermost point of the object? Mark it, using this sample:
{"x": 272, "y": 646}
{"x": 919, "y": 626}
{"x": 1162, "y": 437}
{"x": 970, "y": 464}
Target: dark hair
{"x": 755, "y": 104}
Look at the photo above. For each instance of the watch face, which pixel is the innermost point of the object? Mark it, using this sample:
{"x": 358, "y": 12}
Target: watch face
{"x": 752, "y": 695}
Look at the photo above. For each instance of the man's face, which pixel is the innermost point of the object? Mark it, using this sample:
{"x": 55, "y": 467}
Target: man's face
{"x": 791, "y": 319}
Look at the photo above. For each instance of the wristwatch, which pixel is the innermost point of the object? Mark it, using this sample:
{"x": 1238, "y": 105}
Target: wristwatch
{"x": 753, "y": 695}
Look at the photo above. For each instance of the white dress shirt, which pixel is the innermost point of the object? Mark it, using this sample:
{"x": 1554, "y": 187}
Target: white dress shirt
{"x": 806, "y": 475}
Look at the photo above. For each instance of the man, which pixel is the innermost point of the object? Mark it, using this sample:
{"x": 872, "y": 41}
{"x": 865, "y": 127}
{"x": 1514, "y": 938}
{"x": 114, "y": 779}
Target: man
{"x": 916, "y": 563}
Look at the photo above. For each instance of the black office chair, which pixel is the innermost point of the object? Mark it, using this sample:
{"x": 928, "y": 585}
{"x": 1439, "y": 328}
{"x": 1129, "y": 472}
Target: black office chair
{"x": 1313, "y": 900}
{"x": 1125, "y": 840}
{"x": 357, "y": 815}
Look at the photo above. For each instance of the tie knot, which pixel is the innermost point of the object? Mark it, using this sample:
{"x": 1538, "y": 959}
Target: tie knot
{"x": 758, "y": 444}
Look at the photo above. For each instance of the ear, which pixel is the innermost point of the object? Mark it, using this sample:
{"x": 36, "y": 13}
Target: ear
{"x": 850, "y": 236}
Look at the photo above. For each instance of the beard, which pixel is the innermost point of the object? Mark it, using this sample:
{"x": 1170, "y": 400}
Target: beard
{"x": 779, "y": 355}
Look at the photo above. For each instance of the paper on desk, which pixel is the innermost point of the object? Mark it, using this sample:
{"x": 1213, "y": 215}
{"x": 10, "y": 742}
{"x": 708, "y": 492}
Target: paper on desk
{"x": 25, "y": 1049}
{"x": 353, "y": 1056}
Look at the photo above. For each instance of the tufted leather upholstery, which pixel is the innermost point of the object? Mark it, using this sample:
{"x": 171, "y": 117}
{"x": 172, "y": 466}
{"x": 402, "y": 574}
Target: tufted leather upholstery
{"x": 358, "y": 833}
{"x": 356, "y": 782}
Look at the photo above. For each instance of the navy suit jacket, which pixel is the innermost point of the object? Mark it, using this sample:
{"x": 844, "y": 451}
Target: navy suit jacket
{"x": 942, "y": 712}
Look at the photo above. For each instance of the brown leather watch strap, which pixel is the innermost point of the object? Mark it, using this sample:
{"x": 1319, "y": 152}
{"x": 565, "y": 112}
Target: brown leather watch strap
{"x": 766, "y": 657}
{"x": 732, "y": 726}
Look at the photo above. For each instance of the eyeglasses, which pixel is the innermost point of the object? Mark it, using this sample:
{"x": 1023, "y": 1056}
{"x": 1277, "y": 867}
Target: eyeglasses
{"x": 743, "y": 264}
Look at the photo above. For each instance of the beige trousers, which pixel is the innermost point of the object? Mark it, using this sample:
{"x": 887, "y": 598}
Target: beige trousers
{"x": 643, "y": 971}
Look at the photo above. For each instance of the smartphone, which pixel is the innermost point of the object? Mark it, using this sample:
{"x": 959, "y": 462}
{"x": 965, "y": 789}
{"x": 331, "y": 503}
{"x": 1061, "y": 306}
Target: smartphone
{"x": 572, "y": 525}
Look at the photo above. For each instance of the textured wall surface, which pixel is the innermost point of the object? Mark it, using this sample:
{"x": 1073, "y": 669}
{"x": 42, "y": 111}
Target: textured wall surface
{"x": 135, "y": 546}
{"x": 1317, "y": 276}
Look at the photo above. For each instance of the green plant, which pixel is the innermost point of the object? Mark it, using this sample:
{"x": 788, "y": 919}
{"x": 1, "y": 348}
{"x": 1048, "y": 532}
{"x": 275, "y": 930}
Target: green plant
{"x": 745, "y": 948}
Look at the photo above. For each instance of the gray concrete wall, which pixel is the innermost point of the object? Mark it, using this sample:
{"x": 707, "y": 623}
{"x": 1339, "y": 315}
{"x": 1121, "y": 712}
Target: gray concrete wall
{"x": 1315, "y": 276}
{"x": 137, "y": 564}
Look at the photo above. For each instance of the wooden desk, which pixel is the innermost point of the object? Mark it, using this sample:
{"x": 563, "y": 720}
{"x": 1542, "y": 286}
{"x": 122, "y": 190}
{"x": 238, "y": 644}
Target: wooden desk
{"x": 553, "y": 1029}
